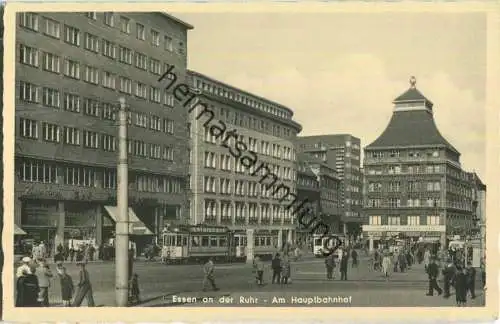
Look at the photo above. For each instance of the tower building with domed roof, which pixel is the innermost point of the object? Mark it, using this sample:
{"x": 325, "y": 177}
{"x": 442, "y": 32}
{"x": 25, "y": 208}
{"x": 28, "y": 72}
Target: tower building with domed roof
{"x": 416, "y": 188}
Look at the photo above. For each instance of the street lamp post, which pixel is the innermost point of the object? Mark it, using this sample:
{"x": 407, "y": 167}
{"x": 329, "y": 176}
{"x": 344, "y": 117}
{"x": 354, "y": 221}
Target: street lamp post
{"x": 122, "y": 222}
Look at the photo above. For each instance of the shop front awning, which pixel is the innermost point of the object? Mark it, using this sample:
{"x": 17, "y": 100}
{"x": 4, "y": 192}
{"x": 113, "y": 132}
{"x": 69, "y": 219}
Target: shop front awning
{"x": 136, "y": 226}
{"x": 18, "y": 230}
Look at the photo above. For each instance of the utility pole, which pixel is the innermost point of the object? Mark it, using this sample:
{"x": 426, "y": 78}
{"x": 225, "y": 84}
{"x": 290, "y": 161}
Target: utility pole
{"x": 122, "y": 223}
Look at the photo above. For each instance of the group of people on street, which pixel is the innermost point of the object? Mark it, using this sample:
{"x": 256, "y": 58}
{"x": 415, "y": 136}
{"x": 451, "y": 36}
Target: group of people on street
{"x": 34, "y": 278}
{"x": 341, "y": 257}
{"x": 457, "y": 275}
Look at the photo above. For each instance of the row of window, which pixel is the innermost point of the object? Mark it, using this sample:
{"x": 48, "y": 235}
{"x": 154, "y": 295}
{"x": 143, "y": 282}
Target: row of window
{"x": 397, "y": 154}
{"x": 265, "y": 148}
{"x": 241, "y": 210}
{"x": 229, "y": 163}
{"x": 28, "y": 128}
{"x": 30, "y": 170}
{"x": 72, "y": 35}
{"x": 219, "y": 90}
{"x": 240, "y": 188}
{"x": 419, "y": 202}
{"x": 411, "y": 186}
{"x": 410, "y": 220}
{"x": 406, "y": 169}
{"x": 307, "y": 182}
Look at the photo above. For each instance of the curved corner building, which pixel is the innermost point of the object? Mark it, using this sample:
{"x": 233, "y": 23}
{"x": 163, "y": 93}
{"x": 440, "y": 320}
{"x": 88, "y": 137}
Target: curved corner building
{"x": 416, "y": 188}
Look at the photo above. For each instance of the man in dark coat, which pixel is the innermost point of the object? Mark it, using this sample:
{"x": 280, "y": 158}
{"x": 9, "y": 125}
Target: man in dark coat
{"x": 130, "y": 263}
{"x": 433, "y": 272}
{"x": 84, "y": 288}
{"x": 343, "y": 266}
{"x": 330, "y": 265}
{"x": 471, "y": 280}
{"x": 448, "y": 277}
{"x": 276, "y": 266}
{"x": 27, "y": 289}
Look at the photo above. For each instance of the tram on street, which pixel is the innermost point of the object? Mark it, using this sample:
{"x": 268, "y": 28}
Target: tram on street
{"x": 320, "y": 242}
{"x": 265, "y": 245}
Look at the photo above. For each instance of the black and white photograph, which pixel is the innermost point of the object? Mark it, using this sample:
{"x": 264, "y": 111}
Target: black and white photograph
{"x": 248, "y": 159}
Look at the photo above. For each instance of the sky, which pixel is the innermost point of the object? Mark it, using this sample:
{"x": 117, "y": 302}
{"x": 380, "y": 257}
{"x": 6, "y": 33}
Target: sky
{"x": 340, "y": 72}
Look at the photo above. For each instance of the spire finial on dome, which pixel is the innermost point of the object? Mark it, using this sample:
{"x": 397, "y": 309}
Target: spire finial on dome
{"x": 413, "y": 82}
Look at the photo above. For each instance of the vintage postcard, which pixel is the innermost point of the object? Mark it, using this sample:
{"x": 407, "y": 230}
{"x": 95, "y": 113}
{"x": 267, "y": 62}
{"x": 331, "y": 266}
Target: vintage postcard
{"x": 293, "y": 161}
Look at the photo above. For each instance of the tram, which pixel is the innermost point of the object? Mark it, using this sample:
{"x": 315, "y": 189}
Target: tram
{"x": 196, "y": 243}
{"x": 320, "y": 242}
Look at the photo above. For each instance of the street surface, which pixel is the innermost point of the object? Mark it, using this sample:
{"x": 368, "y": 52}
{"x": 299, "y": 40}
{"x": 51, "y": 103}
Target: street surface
{"x": 180, "y": 285}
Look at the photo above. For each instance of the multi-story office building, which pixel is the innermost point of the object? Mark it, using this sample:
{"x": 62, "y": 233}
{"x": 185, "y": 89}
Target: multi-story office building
{"x": 342, "y": 153}
{"x": 479, "y": 211}
{"x": 71, "y": 69}
{"x": 225, "y": 191}
{"x": 308, "y": 190}
{"x": 415, "y": 185}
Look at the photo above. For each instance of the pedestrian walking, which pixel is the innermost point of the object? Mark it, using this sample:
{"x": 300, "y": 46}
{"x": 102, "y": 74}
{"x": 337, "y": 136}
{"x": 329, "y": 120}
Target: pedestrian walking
{"x": 67, "y": 287}
{"x": 343, "y": 266}
{"x": 130, "y": 263}
{"x": 433, "y": 272}
{"x": 448, "y": 277}
{"x": 386, "y": 266}
{"x": 44, "y": 274}
{"x": 402, "y": 261}
{"x": 134, "y": 296}
{"x": 276, "y": 266}
{"x": 27, "y": 288}
{"x": 24, "y": 267}
{"x": 483, "y": 275}
{"x": 354, "y": 256}
{"x": 209, "y": 277}
{"x": 259, "y": 269}
{"x": 330, "y": 266}
{"x": 285, "y": 270}
{"x": 471, "y": 280}
{"x": 460, "y": 283}
{"x": 427, "y": 257}
{"x": 84, "y": 287}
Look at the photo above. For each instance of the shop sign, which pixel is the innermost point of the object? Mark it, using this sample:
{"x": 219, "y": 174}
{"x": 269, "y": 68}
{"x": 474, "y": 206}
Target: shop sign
{"x": 404, "y": 228}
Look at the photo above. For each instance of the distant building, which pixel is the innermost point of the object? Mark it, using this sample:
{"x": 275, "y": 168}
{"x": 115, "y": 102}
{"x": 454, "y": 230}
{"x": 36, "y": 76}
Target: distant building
{"x": 329, "y": 208}
{"x": 223, "y": 191}
{"x": 479, "y": 202}
{"x": 341, "y": 152}
{"x": 71, "y": 70}
{"x": 416, "y": 187}
{"x": 308, "y": 189}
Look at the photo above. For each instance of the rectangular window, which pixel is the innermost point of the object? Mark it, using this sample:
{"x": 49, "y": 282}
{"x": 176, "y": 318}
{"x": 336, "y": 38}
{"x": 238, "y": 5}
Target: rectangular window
{"x": 169, "y": 44}
{"x": 433, "y": 220}
{"x": 71, "y": 102}
{"x": 155, "y": 66}
{"x": 155, "y": 123}
{"x": 108, "y": 143}
{"x": 109, "y": 80}
{"x": 168, "y": 153}
{"x": 28, "y": 92}
{"x": 155, "y": 38}
{"x": 51, "y": 97}
{"x": 155, "y": 151}
{"x": 51, "y": 62}
{"x": 375, "y": 220}
{"x": 29, "y": 20}
{"x": 91, "y": 75}
{"x": 141, "y": 120}
{"x": 72, "y": 35}
{"x": 140, "y": 32}
{"x": 72, "y": 69}
{"x": 52, "y": 28}
{"x": 91, "y": 107}
{"x": 28, "y": 55}
{"x": 108, "y": 49}
{"x": 90, "y": 139}
{"x": 125, "y": 55}
{"x": 108, "y": 111}
{"x": 168, "y": 126}
{"x": 169, "y": 100}
{"x": 37, "y": 171}
{"x": 78, "y": 176}
{"x": 124, "y": 25}
{"x": 91, "y": 43}
{"x": 51, "y": 132}
{"x": 141, "y": 61}
{"x": 393, "y": 220}
{"x": 125, "y": 85}
{"x": 109, "y": 179}
{"x": 154, "y": 95}
{"x": 109, "y": 19}
{"x": 413, "y": 220}
{"x": 71, "y": 136}
{"x": 28, "y": 128}
{"x": 141, "y": 90}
